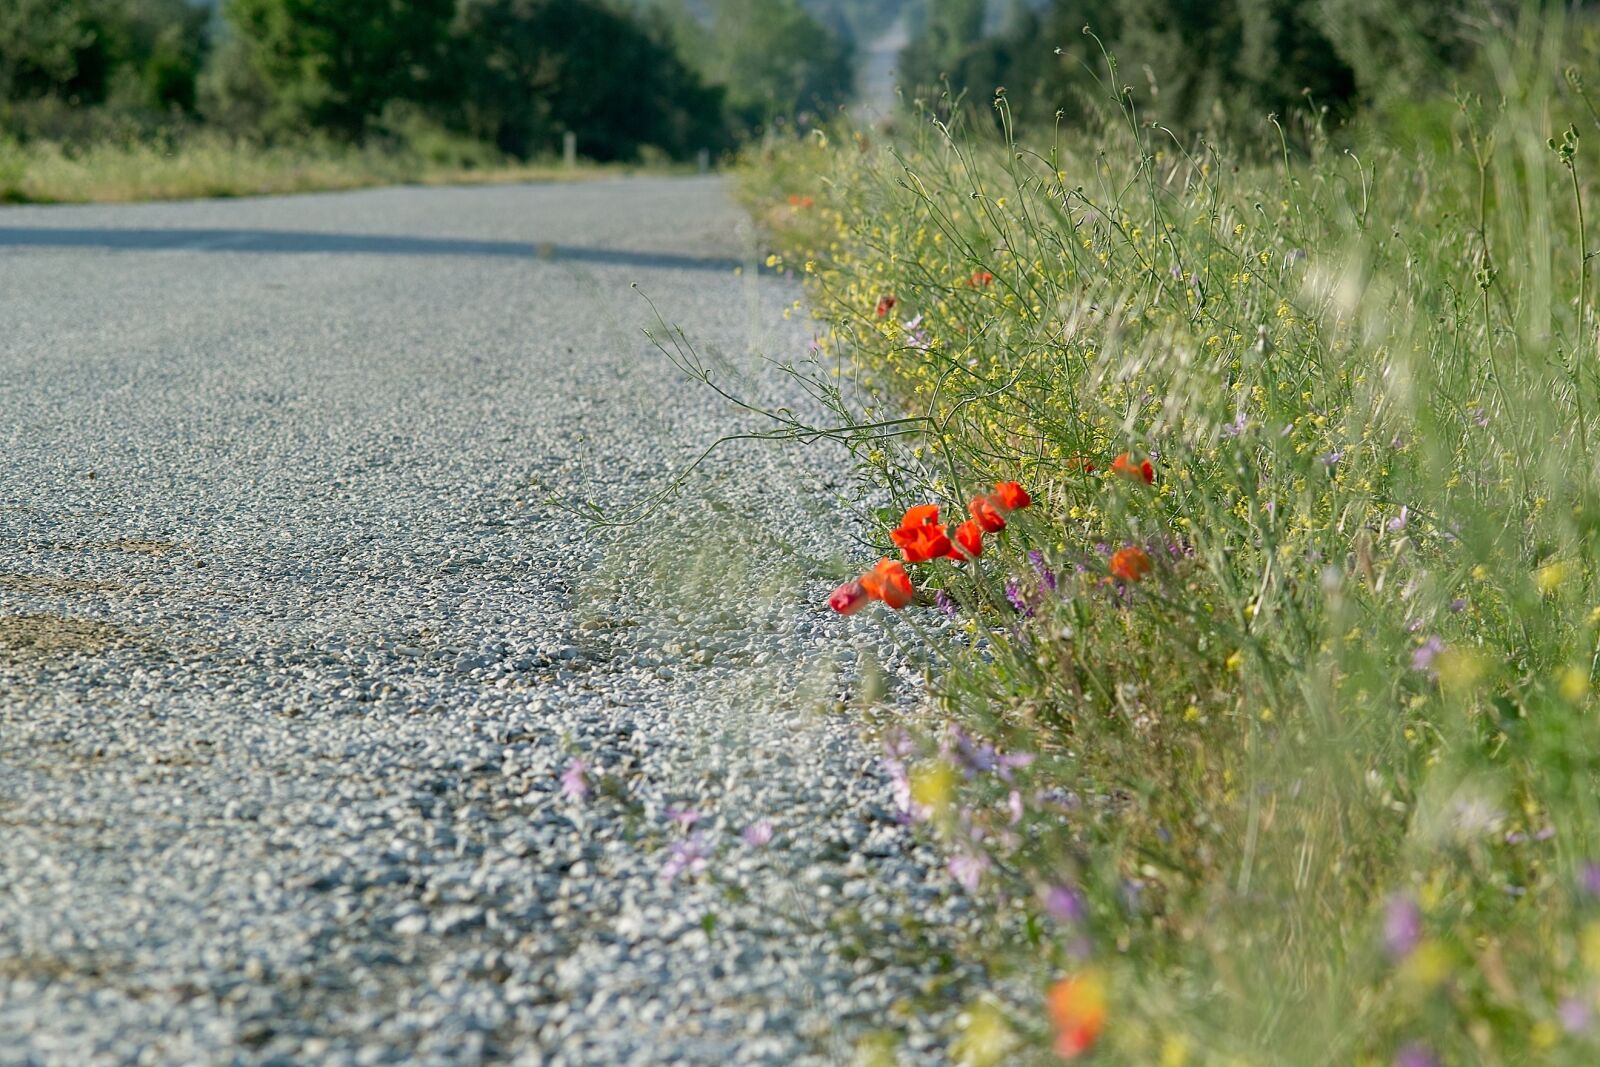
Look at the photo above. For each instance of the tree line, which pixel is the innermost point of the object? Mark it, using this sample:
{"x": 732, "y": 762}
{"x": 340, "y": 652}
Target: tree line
{"x": 629, "y": 77}
{"x": 1193, "y": 63}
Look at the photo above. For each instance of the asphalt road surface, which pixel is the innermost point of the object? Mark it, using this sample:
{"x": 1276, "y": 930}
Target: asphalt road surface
{"x": 296, "y": 653}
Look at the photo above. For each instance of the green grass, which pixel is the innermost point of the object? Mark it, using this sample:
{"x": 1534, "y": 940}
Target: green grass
{"x": 211, "y": 165}
{"x": 1359, "y": 678}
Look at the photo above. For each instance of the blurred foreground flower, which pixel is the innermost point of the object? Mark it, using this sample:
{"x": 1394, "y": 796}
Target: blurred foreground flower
{"x": 1077, "y": 1010}
{"x": 574, "y": 783}
{"x": 1128, "y": 467}
{"x": 1130, "y": 563}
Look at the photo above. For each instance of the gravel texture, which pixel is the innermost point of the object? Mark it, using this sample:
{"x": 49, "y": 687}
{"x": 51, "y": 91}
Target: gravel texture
{"x": 294, "y": 650}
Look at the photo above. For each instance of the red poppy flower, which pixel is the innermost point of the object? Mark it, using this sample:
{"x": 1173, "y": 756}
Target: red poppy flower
{"x": 886, "y": 304}
{"x": 1081, "y": 464}
{"x": 986, "y": 515}
{"x": 1077, "y": 1010}
{"x": 920, "y": 537}
{"x": 969, "y": 541}
{"x": 1130, "y": 564}
{"x": 980, "y": 277}
{"x": 849, "y": 598}
{"x": 1010, "y": 496}
{"x": 888, "y": 582}
{"x": 1125, "y": 466}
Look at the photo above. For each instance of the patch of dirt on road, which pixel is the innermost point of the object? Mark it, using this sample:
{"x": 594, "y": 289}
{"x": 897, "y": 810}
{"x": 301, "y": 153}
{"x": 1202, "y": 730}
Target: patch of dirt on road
{"x": 55, "y": 635}
{"x": 33, "y": 583}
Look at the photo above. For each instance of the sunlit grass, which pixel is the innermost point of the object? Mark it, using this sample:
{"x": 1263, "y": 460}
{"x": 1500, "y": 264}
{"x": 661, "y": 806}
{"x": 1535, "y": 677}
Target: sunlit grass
{"x": 205, "y": 165}
{"x": 1359, "y": 678}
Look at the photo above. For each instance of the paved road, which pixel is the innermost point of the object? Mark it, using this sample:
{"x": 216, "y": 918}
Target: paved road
{"x": 294, "y": 653}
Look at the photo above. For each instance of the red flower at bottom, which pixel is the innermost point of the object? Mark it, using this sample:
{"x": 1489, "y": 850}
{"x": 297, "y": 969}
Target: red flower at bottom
{"x": 1077, "y": 1010}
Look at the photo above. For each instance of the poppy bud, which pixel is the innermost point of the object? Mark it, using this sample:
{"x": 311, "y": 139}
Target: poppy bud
{"x": 849, "y": 598}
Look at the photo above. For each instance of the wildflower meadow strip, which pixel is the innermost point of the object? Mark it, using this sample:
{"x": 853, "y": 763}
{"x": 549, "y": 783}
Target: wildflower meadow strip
{"x": 1269, "y": 736}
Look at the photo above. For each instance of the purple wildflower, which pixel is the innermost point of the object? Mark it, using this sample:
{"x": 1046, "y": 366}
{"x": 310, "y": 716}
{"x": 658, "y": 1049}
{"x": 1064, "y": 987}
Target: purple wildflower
{"x": 1010, "y": 761}
{"x": 1065, "y": 904}
{"x": 900, "y": 789}
{"x": 1014, "y": 803}
{"x": 967, "y": 869}
{"x": 1238, "y": 426}
{"x": 1331, "y": 459}
{"x": 684, "y": 817}
{"x": 1575, "y": 1014}
{"x": 1458, "y": 605}
{"x": 1047, "y": 577}
{"x": 574, "y": 784}
{"x": 1415, "y": 1055}
{"x": 1400, "y": 521}
{"x": 945, "y": 603}
{"x": 758, "y": 833}
{"x": 1589, "y": 878}
{"x": 1479, "y": 416}
{"x": 915, "y": 336}
{"x": 1014, "y": 595}
{"x": 689, "y": 856}
{"x": 1402, "y": 926}
{"x": 1424, "y": 655}
{"x": 897, "y": 744}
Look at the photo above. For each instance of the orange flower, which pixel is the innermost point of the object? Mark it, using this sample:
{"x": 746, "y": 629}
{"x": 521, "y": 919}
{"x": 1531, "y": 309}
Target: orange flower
{"x": 886, "y": 304}
{"x": 1077, "y": 1010}
{"x": 920, "y": 537}
{"x": 1130, "y": 564}
{"x": 888, "y": 582}
{"x": 849, "y": 598}
{"x": 1010, "y": 496}
{"x": 986, "y": 515}
{"x": 969, "y": 541}
{"x": 1125, "y": 466}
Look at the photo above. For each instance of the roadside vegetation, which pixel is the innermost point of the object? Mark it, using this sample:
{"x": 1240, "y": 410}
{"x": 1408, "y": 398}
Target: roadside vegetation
{"x": 128, "y": 99}
{"x": 1262, "y": 715}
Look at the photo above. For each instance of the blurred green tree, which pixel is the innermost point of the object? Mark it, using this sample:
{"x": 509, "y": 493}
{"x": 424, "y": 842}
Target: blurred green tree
{"x": 776, "y": 60}
{"x": 336, "y": 64}
{"x": 523, "y": 72}
{"x": 135, "y": 53}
